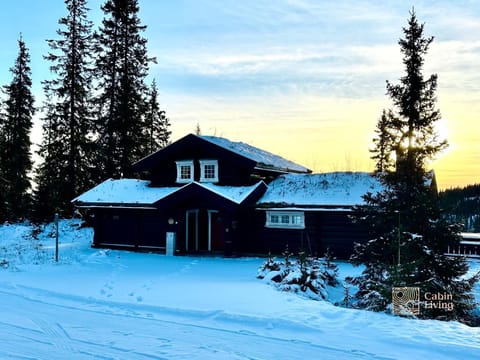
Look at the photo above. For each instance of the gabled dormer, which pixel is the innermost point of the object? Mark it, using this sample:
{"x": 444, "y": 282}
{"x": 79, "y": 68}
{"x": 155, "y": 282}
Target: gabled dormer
{"x": 185, "y": 171}
{"x": 211, "y": 159}
{"x": 208, "y": 171}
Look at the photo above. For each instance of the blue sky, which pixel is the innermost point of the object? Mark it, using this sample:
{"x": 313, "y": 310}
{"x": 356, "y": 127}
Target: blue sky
{"x": 301, "y": 78}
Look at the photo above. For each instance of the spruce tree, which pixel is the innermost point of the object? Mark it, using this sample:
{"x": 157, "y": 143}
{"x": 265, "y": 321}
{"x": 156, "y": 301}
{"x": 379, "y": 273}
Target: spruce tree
{"x": 121, "y": 68}
{"x": 382, "y": 152}
{"x": 156, "y": 122}
{"x": 15, "y": 127}
{"x": 409, "y": 237}
{"x": 68, "y": 128}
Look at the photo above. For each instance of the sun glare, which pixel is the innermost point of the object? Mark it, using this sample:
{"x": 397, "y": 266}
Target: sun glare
{"x": 441, "y": 129}
{"x": 443, "y": 133}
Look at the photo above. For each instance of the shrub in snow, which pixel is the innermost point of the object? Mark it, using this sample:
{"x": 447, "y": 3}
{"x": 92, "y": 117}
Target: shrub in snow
{"x": 347, "y": 296}
{"x": 306, "y": 275}
{"x": 268, "y": 268}
{"x": 330, "y": 269}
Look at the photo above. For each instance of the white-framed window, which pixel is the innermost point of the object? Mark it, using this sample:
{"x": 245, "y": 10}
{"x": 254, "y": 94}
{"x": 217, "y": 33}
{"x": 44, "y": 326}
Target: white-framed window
{"x": 184, "y": 171}
{"x": 209, "y": 170}
{"x": 285, "y": 219}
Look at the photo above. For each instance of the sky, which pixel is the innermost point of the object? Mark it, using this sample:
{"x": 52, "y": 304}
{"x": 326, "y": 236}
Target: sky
{"x": 304, "y": 79}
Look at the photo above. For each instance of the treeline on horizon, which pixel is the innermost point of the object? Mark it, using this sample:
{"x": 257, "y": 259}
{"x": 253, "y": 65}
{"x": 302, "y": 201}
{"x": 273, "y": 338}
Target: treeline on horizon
{"x": 99, "y": 115}
{"x": 462, "y": 205}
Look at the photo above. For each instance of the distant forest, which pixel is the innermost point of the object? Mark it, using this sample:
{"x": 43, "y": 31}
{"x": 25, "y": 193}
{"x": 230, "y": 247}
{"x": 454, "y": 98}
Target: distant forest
{"x": 462, "y": 205}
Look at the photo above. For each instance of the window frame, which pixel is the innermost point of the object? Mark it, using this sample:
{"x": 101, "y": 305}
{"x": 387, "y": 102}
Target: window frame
{"x": 283, "y": 219}
{"x": 180, "y": 165}
{"x": 203, "y": 174}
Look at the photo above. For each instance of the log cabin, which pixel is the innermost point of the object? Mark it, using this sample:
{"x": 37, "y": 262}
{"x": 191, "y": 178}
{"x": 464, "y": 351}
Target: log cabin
{"x": 210, "y": 195}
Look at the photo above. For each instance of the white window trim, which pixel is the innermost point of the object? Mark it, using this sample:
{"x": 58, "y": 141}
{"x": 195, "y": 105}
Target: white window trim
{"x": 202, "y": 170}
{"x": 181, "y": 164}
{"x": 283, "y": 225}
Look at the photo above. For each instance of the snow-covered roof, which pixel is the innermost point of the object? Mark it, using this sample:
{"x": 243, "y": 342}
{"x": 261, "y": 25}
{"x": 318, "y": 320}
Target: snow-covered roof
{"x": 327, "y": 189}
{"x": 134, "y": 192}
{"x": 264, "y": 159}
{"x": 124, "y": 191}
{"x": 236, "y": 194}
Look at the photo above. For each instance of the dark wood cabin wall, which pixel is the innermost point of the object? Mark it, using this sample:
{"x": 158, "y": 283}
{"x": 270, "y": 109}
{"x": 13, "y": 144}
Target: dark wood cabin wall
{"x": 152, "y": 228}
{"x": 228, "y": 173}
{"x": 164, "y": 175}
{"x": 130, "y": 227}
{"x": 323, "y": 229}
{"x": 275, "y": 240}
{"x": 233, "y": 169}
{"x": 339, "y": 234}
{"x": 114, "y": 226}
{"x": 147, "y": 228}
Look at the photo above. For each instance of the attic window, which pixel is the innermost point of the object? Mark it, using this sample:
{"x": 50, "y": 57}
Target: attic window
{"x": 285, "y": 219}
{"x": 184, "y": 171}
{"x": 209, "y": 170}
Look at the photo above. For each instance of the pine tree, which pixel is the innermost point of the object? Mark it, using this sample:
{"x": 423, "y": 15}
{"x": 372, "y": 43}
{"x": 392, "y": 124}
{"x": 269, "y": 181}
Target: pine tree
{"x": 156, "y": 123}
{"x": 15, "y": 127}
{"x": 68, "y": 127}
{"x": 122, "y": 66}
{"x": 409, "y": 237}
{"x": 382, "y": 152}
{"x": 3, "y": 182}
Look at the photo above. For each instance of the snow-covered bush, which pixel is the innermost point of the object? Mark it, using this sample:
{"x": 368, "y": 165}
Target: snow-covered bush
{"x": 330, "y": 269}
{"x": 305, "y": 275}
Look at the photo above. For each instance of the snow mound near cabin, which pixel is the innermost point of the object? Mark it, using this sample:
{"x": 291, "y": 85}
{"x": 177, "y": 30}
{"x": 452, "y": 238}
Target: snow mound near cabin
{"x": 28, "y": 244}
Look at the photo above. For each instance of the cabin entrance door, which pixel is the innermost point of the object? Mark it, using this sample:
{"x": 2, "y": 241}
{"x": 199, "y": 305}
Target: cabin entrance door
{"x": 204, "y": 230}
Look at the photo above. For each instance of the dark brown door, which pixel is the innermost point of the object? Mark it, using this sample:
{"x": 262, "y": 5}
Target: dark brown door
{"x": 217, "y": 231}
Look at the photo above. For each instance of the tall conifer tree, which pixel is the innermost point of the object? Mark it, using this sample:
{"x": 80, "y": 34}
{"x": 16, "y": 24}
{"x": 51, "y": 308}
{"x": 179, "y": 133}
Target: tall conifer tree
{"x": 15, "y": 127}
{"x": 122, "y": 66}
{"x": 156, "y": 122}
{"x": 68, "y": 127}
{"x": 409, "y": 238}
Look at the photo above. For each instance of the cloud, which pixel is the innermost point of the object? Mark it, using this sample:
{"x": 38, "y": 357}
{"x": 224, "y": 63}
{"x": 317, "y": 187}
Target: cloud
{"x": 347, "y": 71}
{"x": 314, "y": 72}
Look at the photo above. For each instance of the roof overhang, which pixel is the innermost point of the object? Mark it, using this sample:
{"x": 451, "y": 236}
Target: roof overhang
{"x": 137, "y": 194}
{"x": 326, "y": 208}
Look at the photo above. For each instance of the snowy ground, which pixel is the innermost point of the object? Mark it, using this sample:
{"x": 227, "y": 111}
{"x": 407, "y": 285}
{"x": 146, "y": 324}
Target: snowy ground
{"x": 100, "y": 304}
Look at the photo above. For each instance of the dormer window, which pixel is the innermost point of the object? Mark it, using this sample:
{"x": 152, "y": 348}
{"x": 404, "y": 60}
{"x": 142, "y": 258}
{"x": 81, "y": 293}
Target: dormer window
{"x": 208, "y": 170}
{"x": 184, "y": 171}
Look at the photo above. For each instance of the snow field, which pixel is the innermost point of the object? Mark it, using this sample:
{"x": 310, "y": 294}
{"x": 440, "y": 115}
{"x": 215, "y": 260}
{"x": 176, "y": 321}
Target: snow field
{"x": 103, "y": 304}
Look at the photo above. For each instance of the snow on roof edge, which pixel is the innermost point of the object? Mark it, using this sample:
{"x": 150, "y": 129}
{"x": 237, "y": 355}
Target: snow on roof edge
{"x": 133, "y": 193}
{"x": 322, "y": 189}
{"x": 120, "y": 192}
{"x": 242, "y": 196}
{"x": 264, "y": 159}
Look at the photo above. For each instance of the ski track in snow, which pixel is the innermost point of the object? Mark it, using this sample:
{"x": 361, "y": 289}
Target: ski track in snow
{"x": 102, "y": 304}
{"x": 99, "y": 329}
